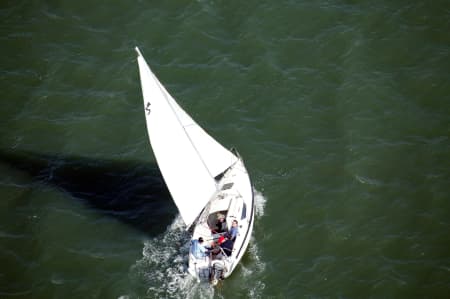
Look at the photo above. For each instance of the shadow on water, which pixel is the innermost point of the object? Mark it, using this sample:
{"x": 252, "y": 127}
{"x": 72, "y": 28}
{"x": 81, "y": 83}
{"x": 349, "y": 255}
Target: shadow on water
{"x": 130, "y": 191}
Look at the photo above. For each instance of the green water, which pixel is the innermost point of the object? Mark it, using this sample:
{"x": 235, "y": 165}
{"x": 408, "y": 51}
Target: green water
{"x": 340, "y": 109}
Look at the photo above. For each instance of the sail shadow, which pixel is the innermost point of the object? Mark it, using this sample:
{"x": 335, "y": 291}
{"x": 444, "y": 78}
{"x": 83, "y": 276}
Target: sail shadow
{"x": 133, "y": 192}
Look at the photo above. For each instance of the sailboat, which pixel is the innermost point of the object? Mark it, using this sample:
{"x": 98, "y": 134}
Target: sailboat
{"x": 208, "y": 183}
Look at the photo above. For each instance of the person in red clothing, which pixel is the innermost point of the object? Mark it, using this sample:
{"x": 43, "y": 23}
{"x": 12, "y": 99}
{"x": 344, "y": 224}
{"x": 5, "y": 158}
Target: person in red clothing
{"x": 225, "y": 247}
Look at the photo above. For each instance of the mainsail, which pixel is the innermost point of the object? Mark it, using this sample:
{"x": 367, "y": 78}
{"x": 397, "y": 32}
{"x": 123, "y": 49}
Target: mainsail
{"x": 187, "y": 156}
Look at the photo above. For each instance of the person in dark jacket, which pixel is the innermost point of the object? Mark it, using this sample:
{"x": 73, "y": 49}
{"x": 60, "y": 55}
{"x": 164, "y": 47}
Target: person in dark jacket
{"x": 227, "y": 246}
{"x": 221, "y": 225}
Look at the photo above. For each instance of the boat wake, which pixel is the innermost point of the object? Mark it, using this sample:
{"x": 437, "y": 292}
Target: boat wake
{"x": 260, "y": 203}
{"x": 162, "y": 270}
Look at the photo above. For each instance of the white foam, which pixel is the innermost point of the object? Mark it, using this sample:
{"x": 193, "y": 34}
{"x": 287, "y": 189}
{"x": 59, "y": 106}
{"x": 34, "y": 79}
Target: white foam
{"x": 163, "y": 266}
{"x": 260, "y": 203}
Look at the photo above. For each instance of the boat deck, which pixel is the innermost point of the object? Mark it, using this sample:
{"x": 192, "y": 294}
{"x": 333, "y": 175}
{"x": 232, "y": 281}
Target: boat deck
{"x": 234, "y": 201}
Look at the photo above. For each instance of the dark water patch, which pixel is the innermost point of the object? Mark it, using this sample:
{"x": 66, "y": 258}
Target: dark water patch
{"x": 130, "y": 191}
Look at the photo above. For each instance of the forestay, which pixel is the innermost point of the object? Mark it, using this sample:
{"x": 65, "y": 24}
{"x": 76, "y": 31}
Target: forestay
{"x": 187, "y": 156}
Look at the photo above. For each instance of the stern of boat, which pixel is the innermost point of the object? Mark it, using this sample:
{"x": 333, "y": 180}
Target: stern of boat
{"x": 206, "y": 270}
{"x": 199, "y": 267}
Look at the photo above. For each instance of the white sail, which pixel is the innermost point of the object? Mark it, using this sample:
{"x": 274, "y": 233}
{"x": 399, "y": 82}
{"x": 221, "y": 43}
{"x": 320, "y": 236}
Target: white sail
{"x": 187, "y": 156}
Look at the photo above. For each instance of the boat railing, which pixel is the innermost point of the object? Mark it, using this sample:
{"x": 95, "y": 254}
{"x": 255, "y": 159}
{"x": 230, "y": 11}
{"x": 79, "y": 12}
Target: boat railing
{"x": 224, "y": 255}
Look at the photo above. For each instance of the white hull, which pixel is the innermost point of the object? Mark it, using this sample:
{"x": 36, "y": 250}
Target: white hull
{"x": 236, "y": 201}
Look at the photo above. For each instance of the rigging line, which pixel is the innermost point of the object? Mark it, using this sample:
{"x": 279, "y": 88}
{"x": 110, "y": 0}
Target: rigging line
{"x": 166, "y": 94}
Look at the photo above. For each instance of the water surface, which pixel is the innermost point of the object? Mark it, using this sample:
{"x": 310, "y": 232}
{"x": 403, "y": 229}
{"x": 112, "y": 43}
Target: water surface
{"x": 339, "y": 108}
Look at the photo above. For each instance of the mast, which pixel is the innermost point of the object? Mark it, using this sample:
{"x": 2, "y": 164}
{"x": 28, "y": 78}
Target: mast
{"x": 187, "y": 156}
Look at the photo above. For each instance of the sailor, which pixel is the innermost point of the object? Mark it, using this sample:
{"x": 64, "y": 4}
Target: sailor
{"x": 221, "y": 224}
{"x": 226, "y": 245}
{"x": 232, "y": 234}
{"x": 198, "y": 248}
